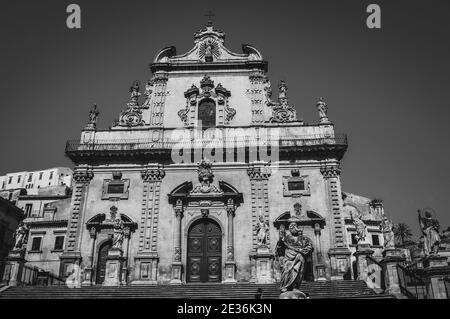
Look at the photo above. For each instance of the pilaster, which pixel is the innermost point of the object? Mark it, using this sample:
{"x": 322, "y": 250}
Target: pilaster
{"x": 146, "y": 260}
{"x": 159, "y": 82}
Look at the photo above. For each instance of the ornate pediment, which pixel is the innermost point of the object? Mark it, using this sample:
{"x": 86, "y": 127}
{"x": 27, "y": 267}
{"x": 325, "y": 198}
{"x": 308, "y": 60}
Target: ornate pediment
{"x": 195, "y": 95}
{"x": 209, "y": 47}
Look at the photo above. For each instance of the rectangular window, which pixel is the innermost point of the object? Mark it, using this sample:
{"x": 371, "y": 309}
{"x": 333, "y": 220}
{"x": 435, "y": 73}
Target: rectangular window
{"x": 28, "y": 209}
{"x": 10, "y": 180}
{"x": 116, "y": 188}
{"x": 30, "y": 177}
{"x": 3, "y": 184}
{"x": 59, "y": 242}
{"x": 51, "y": 175}
{"x": 36, "y": 244}
{"x": 375, "y": 240}
{"x": 18, "y": 178}
{"x": 354, "y": 240}
{"x": 40, "y": 175}
{"x": 296, "y": 185}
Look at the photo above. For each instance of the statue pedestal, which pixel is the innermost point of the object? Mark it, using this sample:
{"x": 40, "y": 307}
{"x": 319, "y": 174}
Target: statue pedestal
{"x": 177, "y": 268}
{"x": 230, "y": 272}
{"x": 12, "y": 274}
{"x": 340, "y": 262}
{"x": 262, "y": 262}
{"x": 362, "y": 251}
{"x": 146, "y": 269}
{"x": 321, "y": 272}
{"x": 114, "y": 263}
{"x": 87, "y": 278}
{"x": 392, "y": 257}
{"x": 436, "y": 269}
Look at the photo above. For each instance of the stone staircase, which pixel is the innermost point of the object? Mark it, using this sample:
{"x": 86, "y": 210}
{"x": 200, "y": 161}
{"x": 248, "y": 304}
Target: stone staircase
{"x": 316, "y": 290}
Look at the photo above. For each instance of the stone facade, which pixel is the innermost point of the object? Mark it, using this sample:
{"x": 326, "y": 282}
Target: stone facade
{"x": 150, "y": 207}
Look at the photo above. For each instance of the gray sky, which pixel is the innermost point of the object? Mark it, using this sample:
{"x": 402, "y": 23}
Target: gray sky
{"x": 387, "y": 89}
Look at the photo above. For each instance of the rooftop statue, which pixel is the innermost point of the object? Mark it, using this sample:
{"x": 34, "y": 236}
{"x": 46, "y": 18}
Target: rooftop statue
{"x": 430, "y": 230}
{"x": 323, "y": 110}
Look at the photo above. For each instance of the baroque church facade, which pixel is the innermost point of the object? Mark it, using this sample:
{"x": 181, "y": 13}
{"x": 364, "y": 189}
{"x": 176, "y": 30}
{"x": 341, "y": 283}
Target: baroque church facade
{"x": 195, "y": 178}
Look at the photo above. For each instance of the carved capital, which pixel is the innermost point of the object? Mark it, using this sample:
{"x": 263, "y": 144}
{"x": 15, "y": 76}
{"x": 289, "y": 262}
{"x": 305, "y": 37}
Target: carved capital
{"x": 159, "y": 78}
{"x": 231, "y": 211}
{"x": 153, "y": 175}
{"x": 83, "y": 176}
{"x": 256, "y": 76}
{"x": 330, "y": 171}
{"x": 258, "y": 172}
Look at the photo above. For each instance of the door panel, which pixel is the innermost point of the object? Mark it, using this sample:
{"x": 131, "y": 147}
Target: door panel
{"x": 101, "y": 262}
{"x": 204, "y": 253}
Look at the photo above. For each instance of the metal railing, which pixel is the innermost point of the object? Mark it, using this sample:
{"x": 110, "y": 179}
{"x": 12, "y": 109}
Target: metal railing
{"x": 413, "y": 285}
{"x": 168, "y": 143}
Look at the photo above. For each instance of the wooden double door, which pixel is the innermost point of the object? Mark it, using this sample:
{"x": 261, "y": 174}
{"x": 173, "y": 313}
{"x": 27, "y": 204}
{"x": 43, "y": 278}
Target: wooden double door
{"x": 204, "y": 252}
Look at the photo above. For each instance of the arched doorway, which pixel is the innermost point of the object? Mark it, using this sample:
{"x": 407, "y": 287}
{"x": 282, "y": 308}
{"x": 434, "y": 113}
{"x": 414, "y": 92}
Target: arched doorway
{"x": 207, "y": 113}
{"x": 204, "y": 252}
{"x": 101, "y": 262}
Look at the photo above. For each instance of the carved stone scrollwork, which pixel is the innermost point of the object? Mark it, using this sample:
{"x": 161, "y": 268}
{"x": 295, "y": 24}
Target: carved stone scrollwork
{"x": 282, "y": 111}
{"x": 132, "y": 115}
{"x": 194, "y": 96}
{"x": 330, "y": 171}
{"x": 83, "y": 176}
{"x": 205, "y": 177}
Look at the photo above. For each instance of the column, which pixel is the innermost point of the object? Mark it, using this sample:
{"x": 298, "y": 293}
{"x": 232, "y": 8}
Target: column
{"x": 339, "y": 253}
{"x": 88, "y": 271}
{"x": 71, "y": 257}
{"x": 230, "y": 264}
{"x": 320, "y": 266}
{"x": 146, "y": 260}
{"x": 124, "y": 271}
{"x": 176, "y": 264}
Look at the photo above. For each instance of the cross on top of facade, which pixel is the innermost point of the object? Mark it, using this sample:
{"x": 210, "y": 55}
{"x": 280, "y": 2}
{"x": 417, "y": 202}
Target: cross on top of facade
{"x": 209, "y": 14}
